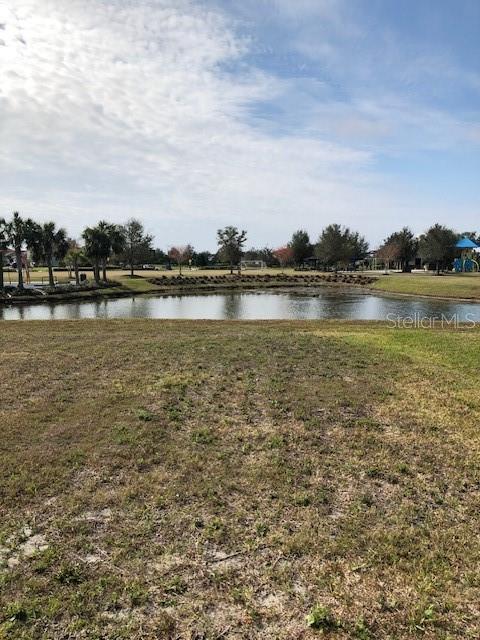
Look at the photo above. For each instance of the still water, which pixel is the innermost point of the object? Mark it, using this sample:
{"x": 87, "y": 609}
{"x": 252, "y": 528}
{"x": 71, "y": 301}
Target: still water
{"x": 307, "y": 304}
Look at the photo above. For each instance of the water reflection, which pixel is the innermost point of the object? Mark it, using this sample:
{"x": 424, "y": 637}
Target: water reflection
{"x": 232, "y": 305}
{"x": 272, "y": 305}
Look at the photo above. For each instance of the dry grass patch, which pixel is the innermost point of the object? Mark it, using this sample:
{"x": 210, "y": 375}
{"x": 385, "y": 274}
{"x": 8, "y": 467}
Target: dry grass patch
{"x": 244, "y": 480}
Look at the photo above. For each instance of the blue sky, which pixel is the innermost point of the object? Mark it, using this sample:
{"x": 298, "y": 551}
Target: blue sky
{"x": 268, "y": 114}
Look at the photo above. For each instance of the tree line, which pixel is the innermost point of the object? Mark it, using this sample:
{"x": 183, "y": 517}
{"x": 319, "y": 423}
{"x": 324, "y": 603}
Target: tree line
{"x": 49, "y": 244}
{"x": 129, "y": 244}
{"x": 339, "y": 247}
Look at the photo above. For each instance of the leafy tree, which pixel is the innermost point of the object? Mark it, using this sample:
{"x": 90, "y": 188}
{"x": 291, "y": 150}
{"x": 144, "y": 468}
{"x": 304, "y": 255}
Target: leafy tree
{"x": 159, "y": 256}
{"x": 338, "y": 246}
{"x": 231, "y": 241}
{"x": 265, "y": 255}
{"x": 300, "y": 245}
{"x": 284, "y": 255}
{"x": 137, "y": 242}
{"x": 437, "y": 246}
{"x": 48, "y": 243}
{"x": 17, "y": 233}
{"x": 358, "y": 246}
{"x": 201, "y": 259}
{"x": 181, "y": 255}
{"x": 406, "y": 245}
{"x": 100, "y": 242}
{"x": 73, "y": 257}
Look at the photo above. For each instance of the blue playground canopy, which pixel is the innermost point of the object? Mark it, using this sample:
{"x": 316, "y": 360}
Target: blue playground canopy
{"x": 466, "y": 243}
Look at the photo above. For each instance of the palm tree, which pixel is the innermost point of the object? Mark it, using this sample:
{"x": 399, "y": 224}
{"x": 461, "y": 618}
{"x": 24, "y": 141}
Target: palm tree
{"x": 73, "y": 257}
{"x": 3, "y": 246}
{"x": 100, "y": 242}
{"x": 116, "y": 242}
{"x": 49, "y": 243}
{"x": 96, "y": 245}
{"x": 18, "y": 232}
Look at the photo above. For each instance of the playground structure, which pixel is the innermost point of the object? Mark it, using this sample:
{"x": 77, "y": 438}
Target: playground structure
{"x": 466, "y": 263}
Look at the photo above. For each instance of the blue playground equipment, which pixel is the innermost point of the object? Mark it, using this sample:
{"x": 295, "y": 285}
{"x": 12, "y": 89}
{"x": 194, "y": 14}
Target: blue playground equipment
{"x": 466, "y": 263}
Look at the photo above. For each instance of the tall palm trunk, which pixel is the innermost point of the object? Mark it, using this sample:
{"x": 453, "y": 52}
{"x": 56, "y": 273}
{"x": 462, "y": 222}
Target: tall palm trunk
{"x": 96, "y": 270}
{"x": 104, "y": 269}
{"x": 51, "y": 280}
{"x": 77, "y": 274}
{"x": 18, "y": 258}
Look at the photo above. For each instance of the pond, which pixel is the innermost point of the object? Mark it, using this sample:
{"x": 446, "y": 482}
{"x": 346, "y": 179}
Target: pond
{"x": 301, "y": 304}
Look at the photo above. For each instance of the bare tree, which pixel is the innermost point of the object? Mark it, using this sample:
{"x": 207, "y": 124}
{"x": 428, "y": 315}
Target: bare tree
{"x": 284, "y": 255}
{"x": 181, "y": 255}
{"x": 73, "y": 257}
{"x": 388, "y": 252}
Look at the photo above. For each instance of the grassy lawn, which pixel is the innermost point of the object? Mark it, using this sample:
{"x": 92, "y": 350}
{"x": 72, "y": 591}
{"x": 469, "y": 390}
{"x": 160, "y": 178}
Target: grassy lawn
{"x": 226, "y": 480}
{"x": 448, "y": 286}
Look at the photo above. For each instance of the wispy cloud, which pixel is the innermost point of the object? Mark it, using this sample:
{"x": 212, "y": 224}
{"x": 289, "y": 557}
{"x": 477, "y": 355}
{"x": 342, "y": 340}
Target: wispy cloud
{"x": 156, "y": 108}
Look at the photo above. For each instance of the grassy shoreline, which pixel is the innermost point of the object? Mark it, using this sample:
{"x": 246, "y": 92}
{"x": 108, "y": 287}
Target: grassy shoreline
{"x": 181, "y": 479}
{"x": 190, "y": 285}
{"x": 448, "y": 287}
{"x": 462, "y": 288}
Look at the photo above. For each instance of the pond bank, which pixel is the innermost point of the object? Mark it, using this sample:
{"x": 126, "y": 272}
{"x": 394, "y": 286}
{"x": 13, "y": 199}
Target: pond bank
{"x": 189, "y": 284}
{"x": 332, "y": 301}
{"x": 113, "y": 290}
{"x": 461, "y": 287}
{"x": 452, "y": 288}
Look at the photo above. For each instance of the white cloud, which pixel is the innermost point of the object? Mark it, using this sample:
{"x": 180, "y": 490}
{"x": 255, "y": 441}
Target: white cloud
{"x": 114, "y": 108}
